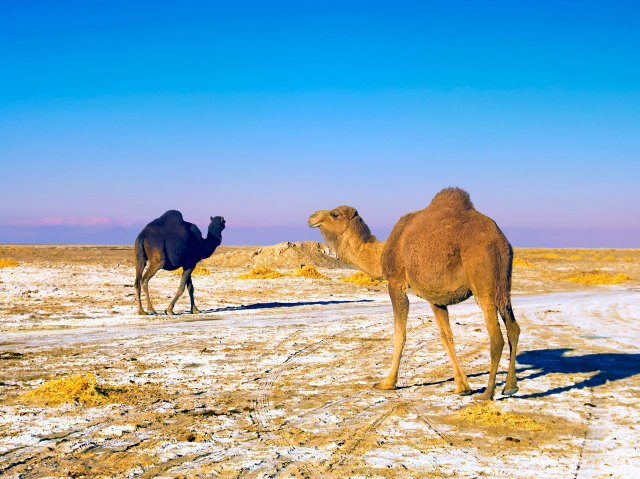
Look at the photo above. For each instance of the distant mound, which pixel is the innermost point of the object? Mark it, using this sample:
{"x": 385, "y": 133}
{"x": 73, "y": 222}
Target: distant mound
{"x": 281, "y": 255}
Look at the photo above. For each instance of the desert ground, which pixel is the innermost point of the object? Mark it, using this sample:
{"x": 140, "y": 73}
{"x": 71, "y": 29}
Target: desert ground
{"x": 274, "y": 378}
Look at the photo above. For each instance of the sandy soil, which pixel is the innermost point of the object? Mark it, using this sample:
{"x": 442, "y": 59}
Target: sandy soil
{"x": 274, "y": 378}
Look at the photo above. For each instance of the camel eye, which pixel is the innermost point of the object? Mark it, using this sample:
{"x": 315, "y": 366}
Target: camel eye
{"x": 333, "y": 215}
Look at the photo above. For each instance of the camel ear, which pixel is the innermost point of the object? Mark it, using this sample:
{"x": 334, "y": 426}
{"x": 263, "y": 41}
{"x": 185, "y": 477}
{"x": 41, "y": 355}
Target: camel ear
{"x": 352, "y": 213}
{"x": 211, "y": 218}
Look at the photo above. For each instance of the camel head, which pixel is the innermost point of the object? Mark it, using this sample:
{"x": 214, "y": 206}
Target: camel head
{"x": 336, "y": 222}
{"x": 217, "y": 224}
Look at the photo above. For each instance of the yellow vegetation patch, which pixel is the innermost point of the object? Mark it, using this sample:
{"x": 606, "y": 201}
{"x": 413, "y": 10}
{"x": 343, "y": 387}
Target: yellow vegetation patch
{"x": 197, "y": 271}
{"x": 550, "y": 256}
{"x": 83, "y": 389}
{"x": 261, "y": 272}
{"x": 522, "y": 263}
{"x": 8, "y": 263}
{"x": 80, "y": 389}
{"x": 309, "y": 272}
{"x": 574, "y": 257}
{"x": 598, "y": 277}
{"x": 362, "y": 279}
{"x": 488, "y": 414}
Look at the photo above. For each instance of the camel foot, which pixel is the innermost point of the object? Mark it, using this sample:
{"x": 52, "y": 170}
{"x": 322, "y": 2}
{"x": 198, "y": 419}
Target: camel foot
{"x": 510, "y": 391}
{"x": 142, "y": 312}
{"x": 485, "y": 396}
{"x": 151, "y": 312}
{"x": 383, "y": 386}
{"x": 195, "y": 311}
{"x": 169, "y": 312}
{"x": 464, "y": 392}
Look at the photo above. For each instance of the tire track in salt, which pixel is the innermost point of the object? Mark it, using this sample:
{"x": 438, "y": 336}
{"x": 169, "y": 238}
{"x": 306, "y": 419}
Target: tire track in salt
{"x": 357, "y": 434}
{"x": 582, "y": 339}
{"x": 583, "y": 443}
{"x": 264, "y": 415}
{"x": 264, "y": 409}
{"x": 612, "y": 312}
{"x": 450, "y": 441}
{"x": 390, "y": 408}
{"x": 24, "y": 454}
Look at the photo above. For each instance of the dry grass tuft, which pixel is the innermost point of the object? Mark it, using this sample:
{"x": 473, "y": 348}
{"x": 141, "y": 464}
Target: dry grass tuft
{"x": 488, "y": 414}
{"x": 550, "y": 256}
{"x": 522, "y": 263}
{"x": 598, "y": 277}
{"x": 79, "y": 389}
{"x": 197, "y": 271}
{"x": 309, "y": 272}
{"x": 8, "y": 263}
{"x": 200, "y": 271}
{"x": 261, "y": 272}
{"x": 362, "y": 279}
{"x": 574, "y": 257}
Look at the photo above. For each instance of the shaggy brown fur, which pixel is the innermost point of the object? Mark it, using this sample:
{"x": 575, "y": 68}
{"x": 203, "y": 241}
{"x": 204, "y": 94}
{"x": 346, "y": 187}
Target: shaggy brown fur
{"x": 445, "y": 253}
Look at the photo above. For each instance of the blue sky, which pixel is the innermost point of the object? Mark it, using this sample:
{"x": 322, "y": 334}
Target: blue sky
{"x": 263, "y": 112}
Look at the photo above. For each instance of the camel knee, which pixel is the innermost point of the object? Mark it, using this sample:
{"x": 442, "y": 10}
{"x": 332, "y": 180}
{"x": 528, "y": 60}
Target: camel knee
{"x": 514, "y": 331}
{"x": 446, "y": 337}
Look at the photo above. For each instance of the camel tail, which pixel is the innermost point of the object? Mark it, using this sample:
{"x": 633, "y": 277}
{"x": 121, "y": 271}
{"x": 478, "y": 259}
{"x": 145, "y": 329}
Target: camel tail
{"x": 141, "y": 259}
{"x": 503, "y": 293}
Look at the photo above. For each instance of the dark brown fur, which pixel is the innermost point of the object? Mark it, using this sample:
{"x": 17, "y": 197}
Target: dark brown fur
{"x": 169, "y": 243}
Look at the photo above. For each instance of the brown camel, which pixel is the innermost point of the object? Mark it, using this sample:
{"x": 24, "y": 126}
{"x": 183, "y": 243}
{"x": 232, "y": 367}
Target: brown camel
{"x": 170, "y": 243}
{"x": 444, "y": 253}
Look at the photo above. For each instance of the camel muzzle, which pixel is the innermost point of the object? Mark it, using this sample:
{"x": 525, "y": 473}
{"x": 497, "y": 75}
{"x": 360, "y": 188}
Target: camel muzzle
{"x": 315, "y": 220}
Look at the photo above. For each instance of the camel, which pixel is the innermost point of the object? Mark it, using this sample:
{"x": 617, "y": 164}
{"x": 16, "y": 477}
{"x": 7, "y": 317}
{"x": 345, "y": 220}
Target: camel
{"x": 170, "y": 243}
{"x": 445, "y": 253}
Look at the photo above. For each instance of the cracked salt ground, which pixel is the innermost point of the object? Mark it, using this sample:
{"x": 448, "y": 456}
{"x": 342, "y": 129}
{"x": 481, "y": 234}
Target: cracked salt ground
{"x": 285, "y": 391}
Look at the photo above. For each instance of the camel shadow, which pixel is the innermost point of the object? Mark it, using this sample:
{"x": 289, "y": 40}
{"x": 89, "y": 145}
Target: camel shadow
{"x": 606, "y": 366}
{"x": 278, "y": 304}
{"x": 450, "y": 380}
{"x": 537, "y": 363}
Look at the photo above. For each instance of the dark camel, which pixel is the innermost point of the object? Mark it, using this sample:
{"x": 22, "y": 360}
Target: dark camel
{"x": 444, "y": 253}
{"x": 170, "y": 243}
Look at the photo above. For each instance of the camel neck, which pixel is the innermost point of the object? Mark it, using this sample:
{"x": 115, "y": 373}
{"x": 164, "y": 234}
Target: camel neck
{"x": 364, "y": 255}
{"x": 211, "y": 242}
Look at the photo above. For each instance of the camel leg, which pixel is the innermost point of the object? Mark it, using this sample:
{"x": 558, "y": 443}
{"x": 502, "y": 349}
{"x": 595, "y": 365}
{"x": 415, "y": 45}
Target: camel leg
{"x": 513, "y": 333}
{"x": 400, "y": 304}
{"x": 446, "y": 336}
{"x": 148, "y": 274}
{"x": 194, "y": 309}
{"x": 497, "y": 344}
{"x": 183, "y": 281}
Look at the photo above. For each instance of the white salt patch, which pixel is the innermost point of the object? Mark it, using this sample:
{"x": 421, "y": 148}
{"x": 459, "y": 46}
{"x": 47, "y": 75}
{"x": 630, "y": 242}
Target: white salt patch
{"x": 116, "y": 431}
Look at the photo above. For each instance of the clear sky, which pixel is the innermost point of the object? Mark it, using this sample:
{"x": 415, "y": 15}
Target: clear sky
{"x": 113, "y": 112}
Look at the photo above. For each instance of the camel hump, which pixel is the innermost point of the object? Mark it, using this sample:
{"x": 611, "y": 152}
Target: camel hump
{"x": 452, "y": 197}
{"x": 172, "y": 216}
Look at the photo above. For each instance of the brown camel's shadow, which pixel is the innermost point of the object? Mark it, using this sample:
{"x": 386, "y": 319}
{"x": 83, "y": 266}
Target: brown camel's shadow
{"x": 277, "y": 304}
{"x": 606, "y": 366}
